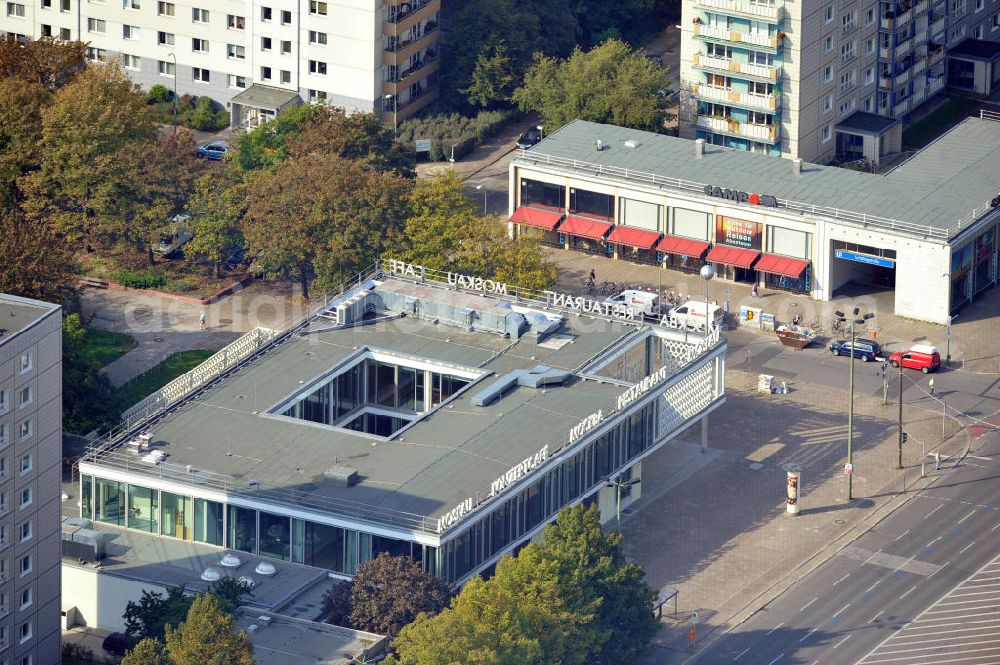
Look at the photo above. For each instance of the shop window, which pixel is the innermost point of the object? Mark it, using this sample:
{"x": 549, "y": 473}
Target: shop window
{"x": 591, "y": 203}
{"x": 544, "y": 194}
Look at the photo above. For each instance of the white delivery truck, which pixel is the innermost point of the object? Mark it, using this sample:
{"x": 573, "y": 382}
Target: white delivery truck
{"x": 643, "y": 301}
{"x": 691, "y": 315}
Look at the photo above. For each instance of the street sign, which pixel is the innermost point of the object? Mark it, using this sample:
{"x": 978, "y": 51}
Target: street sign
{"x": 694, "y": 617}
{"x": 848, "y": 469}
{"x": 423, "y": 145}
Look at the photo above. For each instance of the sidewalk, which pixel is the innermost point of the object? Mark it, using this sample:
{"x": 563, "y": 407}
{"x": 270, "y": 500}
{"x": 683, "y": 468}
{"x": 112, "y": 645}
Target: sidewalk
{"x": 715, "y": 527}
{"x": 492, "y": 149}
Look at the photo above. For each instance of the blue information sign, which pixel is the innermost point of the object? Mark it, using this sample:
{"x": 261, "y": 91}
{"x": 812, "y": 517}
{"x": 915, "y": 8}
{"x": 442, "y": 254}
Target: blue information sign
{"x": 864, "y": 258}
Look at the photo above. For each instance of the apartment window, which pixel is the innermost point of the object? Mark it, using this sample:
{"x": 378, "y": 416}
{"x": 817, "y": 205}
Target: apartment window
{"x": 265, "y": 73}
{"x": 236, "y": 22}
{"x": 870, "y": 46}
{"x": 869, "y": 104}
{"x": 165, "y": 8}
{"x": 15, "y": 9}
{"x": 760, "y": 58}
{"x": 130, "y": 32}
{"x": 199, "y": 45}
{"x": 317, "y": 37}
{"x": 130, "y": 61}
{"x": 317, "y": 67}
{"x": 718, "y": 51}
{"x": 25, "y": 497}
{"x": 827, "y": 133}
{"x": 93, "y": 24}
{"x": 847, "y": 80}
{"x": 26, "y": 660}
{"x": 869, "y": 76}
{"x": 286, "y": 17}
{"x": 46, "y": 30}
{"x": 131, "y": 4}
{"x": 847, "y": 21}
{"x": 64, "y": 6}
{"x": 25, "y": 428}
{"x": 285, "y": 76}
{"x": 870, "y": 16}
{"x": 846, "y": 107}
{"x": 235, "y": 51}
{"x": 3, "y": 401}
{"x": 286, "y": 47}
{"x": 25, "y": 532}
{"x": 3, "y": 434}
{"x": 26, "y": 626}
{"x": 265, "y": 43}
{"x": 26, "y": 464}
{"x": 46, "y": 4}
{"x": 829, "y": 14}
{"x": 200, "y": 74}
{"x": 317, "y": 96}
{"x": 25, "y": 362}
{"x": 265, "y": 13}
{"x": 316, "y": 7}
{"x": 996, "y": 21}
{"x": 164, "y": 38}
{"x": 199, "y": 15}
{"x": 26, "y": 598}
{"x": 3, "y": 509}
{"x": 827, "y": 74}
{"x": 165, "y": 68}
{"x": 828, "y": 44}
{"x": 237, "y": 81}
{"x": 26, "y": 397}
{"x": 754, "y": 88}
{"x": 64, "y": 34}
{"x": 978, "y": 32}
{"x": 827, "y": 103}
{"x": 848, "y": 51}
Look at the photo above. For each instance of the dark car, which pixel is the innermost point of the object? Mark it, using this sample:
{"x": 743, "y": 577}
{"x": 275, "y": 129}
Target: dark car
{"x": 215, "y": 150}
{"x": 529, "y": 138}
{"x": 866, "y": 349}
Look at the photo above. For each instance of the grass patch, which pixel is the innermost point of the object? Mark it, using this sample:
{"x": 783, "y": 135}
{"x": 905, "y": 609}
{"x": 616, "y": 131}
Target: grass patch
{"x": 149, "y": 382}
{"x": 938, "y": 122}
{"x": 101, "y": 347}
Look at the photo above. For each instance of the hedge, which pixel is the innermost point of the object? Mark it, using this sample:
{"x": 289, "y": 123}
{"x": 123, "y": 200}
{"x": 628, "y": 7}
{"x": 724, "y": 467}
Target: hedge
{"x": 447, "y": 130}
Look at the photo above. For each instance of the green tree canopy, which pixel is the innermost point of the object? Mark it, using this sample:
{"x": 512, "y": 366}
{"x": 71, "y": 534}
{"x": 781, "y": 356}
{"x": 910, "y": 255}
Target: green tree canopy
{"x": 21, "y": 104}
{"x": 609, "y": 84}
{"x": 217, "y": 207}
{"x": 493, "y": 77}
{"x": 389, "y": 592}
{"x": 35, "y": 261}
{"x": 358, "y": 136}
{"x": 45, "y": 61}
{"x": 87, "y": 396}
{"x": 207, "y": 637}
{"x": 150, "y": 616}
{"x": 147, "y": 652}
{"x": 266, "y": 146}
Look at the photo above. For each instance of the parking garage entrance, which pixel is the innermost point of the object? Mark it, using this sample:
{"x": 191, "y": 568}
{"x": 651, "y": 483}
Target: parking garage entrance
{"x": 862, "y": 264}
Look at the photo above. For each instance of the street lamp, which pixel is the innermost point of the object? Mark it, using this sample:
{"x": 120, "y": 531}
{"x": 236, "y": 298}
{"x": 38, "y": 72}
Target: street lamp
{"x": 707, "y": 273}
{"x": 618, "y": 484}
{"x": 541, "y": 132}
{"x": 171, "y": 55}
{"x": 395, "y": 108}
{"x": 851, "y": 319}
{"x": 947, "y": 332}
{"x": 478, "y": 188}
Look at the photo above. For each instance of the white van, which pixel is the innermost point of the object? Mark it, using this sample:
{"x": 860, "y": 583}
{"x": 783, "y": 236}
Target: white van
{"x": 692, "y": 315}
{"x": 644, "y": 301}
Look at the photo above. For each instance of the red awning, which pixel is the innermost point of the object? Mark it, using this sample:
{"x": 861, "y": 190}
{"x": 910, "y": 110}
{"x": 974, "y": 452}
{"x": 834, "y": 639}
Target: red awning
{"x": 583, "y": 227}
{"x": 781, "y": 265}
{"x": 682, "y": 246}
{"x": 545, "y": 219}
{"x": 733, "y": 256}
{"x": 624, "y": 235}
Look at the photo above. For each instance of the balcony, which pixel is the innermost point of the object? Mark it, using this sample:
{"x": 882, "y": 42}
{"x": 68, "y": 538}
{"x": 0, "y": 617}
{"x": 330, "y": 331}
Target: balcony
{"x": 904, "y": 48}
{"x": 739, "y": 8}
{"x": 935, "y": 86}
{"x": 938, "y": 26}
{"x": 902, "y": 108}
{"x": 902, "y": 76}
{"x": 721, "y": 34}
{"x": 920, "y": 7}
{"x": 428, "y": 66}
{"x": 402, "y": 21}
{"x": 935, "y": 55}
{"x": 761, "y": 72}
{"x": 393, "y": 55}
{"x": 730, "y": 127}
{"x": 742, "y": 99}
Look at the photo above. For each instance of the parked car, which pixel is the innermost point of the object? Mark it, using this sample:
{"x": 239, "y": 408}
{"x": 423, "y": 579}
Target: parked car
{"x": 866, "y": 349}
{"x": 645, "y": 301}
{"x": 172, "y": 241}
{"x": 215, "y": 150}
{"x": 529, "y": 138}
{"x": 920, "y": 356}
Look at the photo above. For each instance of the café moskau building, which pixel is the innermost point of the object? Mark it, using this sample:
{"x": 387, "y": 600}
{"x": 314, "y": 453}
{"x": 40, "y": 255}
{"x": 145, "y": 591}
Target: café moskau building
{"x": 440, "y": 416}
{"x": 926, "y": 230}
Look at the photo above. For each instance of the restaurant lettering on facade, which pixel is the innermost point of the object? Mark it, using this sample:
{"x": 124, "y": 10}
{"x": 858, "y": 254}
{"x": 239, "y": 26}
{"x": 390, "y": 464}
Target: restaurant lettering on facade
{"x": 742, "y": 197}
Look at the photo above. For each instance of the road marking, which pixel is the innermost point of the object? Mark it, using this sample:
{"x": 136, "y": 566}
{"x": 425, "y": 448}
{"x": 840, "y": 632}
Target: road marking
{"x": 738, "y": 656}
{"x": 996, "y": 527}
{"x": 808, "y": 635}
{"x": 873, "y": 586}
{"x": 939, "y": 568}
{"x": 774, "y": 629}
{"x": 971, "y": 513}
{"x": 776, "y": 659}
{"x": 872, "y": 620}
{"x": 841, "y": 641}
{"x": 934, "y": 541}
{"x": 985, "y": 459}
{"x": 841, "y": 579}
{"x": 901, "y": 535}
{"x": 968, "y": 546}
{"x": 934, "y": 511}
{"x": 842, "y": 609}
{"x": 808, "y": 604}
{"x": 908, "y": 592}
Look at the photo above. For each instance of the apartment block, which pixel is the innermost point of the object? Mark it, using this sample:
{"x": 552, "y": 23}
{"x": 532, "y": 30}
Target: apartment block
{"x": 363, "y": 55}
{"x": 30, "y": 458}
{"x": 820, "y": 81}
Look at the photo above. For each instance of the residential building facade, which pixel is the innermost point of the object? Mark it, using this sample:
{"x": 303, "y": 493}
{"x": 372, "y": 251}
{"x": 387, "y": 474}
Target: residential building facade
{"x": 30, "y": 467}
{"x": 363, "y": 55}
{"x": 808, "y": 79}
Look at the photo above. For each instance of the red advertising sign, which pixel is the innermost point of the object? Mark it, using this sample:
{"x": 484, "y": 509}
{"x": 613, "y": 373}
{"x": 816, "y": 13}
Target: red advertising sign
{"x": 737, "y": 232}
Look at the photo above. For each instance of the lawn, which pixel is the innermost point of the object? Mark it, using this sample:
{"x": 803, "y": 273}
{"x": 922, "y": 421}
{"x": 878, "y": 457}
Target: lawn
{"x": 101, "y": 347}
{"x": 148, "y": 383}
{"x": 938, "y": 122}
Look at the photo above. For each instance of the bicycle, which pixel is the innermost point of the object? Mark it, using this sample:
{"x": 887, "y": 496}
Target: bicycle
{"x": 838, "y": 327}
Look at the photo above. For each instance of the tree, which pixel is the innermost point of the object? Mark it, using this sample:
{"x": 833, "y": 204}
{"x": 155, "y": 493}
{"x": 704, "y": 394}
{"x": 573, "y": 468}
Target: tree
{"x": 230, "y": 593}
{"x": 359, "y": 136}
{"x": 609, "y": 84}
{"x": 265, "y": 147}
{"x": 45, "y": 61}
{"x": 88, "y": 403}
{"x": 493, "y": 77}
{"x": 207, "y": 637}
{"x": 337, "y": 604}
{"x": 217, "y": 205}
{"x": 324, "y": 218}
{"x": 147, "y": 652}
{"x": 35, "y": 261}
{"x": 21, "y": 104}
{"x": 389, "y": 592}
{"x": 154, "y": 611}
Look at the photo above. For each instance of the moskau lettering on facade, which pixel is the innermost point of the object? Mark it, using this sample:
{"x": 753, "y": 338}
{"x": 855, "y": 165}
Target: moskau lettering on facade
{"x": 476, "y": 283}
{"x": 405, "y": 269}
{"x": 588, "y": 306}
{"x": 587, "y": 424}
{"x": 639, "y": 389}
{"x": 519, "y": 471}
{"x": 742, "y": 197}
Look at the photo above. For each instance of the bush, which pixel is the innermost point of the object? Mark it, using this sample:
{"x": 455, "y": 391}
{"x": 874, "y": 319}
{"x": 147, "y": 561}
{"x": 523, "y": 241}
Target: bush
{"x": 118, "y": 643}
{"x": 183, "y": 284}
{"x": 447, "y": 130}
{"x": 157, "y": 94}
{"x": 139, "y": 279}
{"x": 78, "y": 651}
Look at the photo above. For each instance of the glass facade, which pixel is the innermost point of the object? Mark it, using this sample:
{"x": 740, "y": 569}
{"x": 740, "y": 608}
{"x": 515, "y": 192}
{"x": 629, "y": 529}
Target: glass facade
{"x": 109, "y": 501}
{"x": 243, "y": 529}
{"x": 275, "y": 536}
{"x": 177, "y": 516}
{"x": 208, "y": 522}
{"x": 143, "y": 509}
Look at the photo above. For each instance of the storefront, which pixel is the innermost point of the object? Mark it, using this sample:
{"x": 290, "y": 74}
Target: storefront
{"x": 682, "y": 254}
{"x": 787, "y": 265}
{"x": 985, "y": 268}
{"x": 737, "y": 247}
{"x": 634, "y": 245}
{"x": 961, "y": 277}
{"x": 535, "y": 220}
{"x": 586, "y": 235}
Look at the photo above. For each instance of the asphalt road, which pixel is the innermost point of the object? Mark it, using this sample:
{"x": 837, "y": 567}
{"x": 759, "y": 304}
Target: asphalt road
{"x": 880, "y": 589}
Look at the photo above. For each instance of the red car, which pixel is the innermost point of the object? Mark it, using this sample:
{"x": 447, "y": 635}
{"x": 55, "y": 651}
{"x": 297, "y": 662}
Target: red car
{"x": 922, "y": 356}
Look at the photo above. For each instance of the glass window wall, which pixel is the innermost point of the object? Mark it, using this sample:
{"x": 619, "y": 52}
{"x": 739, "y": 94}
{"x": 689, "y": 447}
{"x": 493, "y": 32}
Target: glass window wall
{"x": 390, "y": 545}
{"x": 242, "y": 529}
{"x": 87, "y": 487}
{"x": 109, "y": 501}
{"x": 143, "y": 510}
{"x": 177, "y": 515}
{"x": 275, "y": 536}
{"x": 208, "y": 519}
{"x": 323, "y": 546}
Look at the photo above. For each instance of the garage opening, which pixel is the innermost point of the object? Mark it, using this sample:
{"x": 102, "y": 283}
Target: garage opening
{"x": 872, "y": 268}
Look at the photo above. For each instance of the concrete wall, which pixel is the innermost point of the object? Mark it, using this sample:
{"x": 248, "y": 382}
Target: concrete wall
{"x": 100, "y": 598}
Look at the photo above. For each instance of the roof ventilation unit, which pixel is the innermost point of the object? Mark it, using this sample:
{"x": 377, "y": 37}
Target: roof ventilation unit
{"x": 341, "y": 476}
{"x": 600, "y": 145}
{"x": 631, "y": 143}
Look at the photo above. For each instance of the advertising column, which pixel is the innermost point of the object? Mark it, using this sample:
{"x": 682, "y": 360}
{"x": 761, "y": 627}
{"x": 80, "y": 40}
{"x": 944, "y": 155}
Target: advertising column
{"x": 794, "y": 475}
